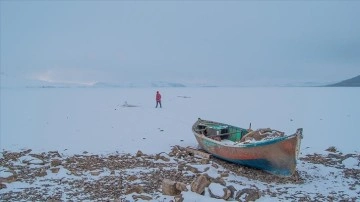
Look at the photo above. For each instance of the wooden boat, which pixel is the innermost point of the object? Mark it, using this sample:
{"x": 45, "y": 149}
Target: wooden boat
{"x": 265, "y": 149}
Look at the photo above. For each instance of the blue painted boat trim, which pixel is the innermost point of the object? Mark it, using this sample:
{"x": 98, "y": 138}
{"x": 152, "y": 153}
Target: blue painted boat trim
{"x": 261, "y": 164}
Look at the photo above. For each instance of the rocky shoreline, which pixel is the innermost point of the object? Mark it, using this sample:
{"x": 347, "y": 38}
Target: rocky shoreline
{"x": 51, "y": 176}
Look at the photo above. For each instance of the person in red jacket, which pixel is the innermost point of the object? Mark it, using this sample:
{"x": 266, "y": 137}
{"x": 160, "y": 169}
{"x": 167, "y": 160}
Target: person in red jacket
{"x": 158, "y": 99}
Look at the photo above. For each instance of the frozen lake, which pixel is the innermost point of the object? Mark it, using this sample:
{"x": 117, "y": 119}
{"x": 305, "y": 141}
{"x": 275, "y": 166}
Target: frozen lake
{"x": 93, "y": 119}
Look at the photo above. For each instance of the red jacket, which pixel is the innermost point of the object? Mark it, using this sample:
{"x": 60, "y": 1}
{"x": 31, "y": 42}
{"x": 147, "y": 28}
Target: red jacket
{"x": 158, "y": 97}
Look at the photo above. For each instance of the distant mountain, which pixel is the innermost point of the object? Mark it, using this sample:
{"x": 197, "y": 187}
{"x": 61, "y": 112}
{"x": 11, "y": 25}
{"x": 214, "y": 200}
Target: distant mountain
{"x": 305, "y": 84}
{"x": 353, "y": 82}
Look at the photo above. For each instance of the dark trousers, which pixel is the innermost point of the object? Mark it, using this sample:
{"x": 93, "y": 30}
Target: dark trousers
{"x": 158, "y": 102}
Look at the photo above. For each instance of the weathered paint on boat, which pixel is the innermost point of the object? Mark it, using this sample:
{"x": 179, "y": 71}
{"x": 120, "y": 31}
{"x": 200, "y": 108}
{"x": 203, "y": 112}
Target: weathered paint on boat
{"x": 277, "y": 156}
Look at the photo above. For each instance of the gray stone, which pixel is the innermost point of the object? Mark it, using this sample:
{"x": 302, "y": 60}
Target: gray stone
{"x": 169, "y": 188}
{"x": 137, "y": 188}
{"x": 139, "y": 153}
{"x": 142, "y": 197}
{"x": 55, "y": 162}
{"x": 225, "y": 194}
{"x": 200, "y": 183}
{"x": 54, "y": 170}
{"x": 250, "y": 194}
{"x": 181, "y": 186}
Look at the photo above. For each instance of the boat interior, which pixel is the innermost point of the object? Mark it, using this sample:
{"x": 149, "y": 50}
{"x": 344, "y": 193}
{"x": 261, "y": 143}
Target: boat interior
{"x": 221, "y": 132}
{"x": 224, "y": 132}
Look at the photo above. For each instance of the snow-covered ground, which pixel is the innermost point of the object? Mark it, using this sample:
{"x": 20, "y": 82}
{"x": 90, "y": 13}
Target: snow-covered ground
{"x": 94, "y": 120}
{"x": 75, "y": 120}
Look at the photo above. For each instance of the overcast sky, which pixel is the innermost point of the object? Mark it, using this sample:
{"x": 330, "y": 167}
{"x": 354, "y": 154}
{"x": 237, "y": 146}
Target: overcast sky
{"x": 211, "y": 42}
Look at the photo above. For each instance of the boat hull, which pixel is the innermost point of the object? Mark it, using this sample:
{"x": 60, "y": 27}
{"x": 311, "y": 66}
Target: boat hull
{"x": 277, "y": 156}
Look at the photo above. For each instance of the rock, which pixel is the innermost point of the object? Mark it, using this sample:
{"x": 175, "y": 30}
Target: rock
{"x": 164, "y": 159}
{"x": 41, "y": 173}
{"x": 181, "y": 167}
{"x": 2, "y": 186}
{"x": 174, "y": 151}
{"x": 8, "y": 176}
{"x": 192, "y": 169}
{"x": 215, "y": 165}
{"x": 76, "y": 173}
{"x": 143, "y": 197}
{"x": 54, "y": 154}
{"x": 199, "y": 184}
{"x": 205, "y": 161}
{"x": 352, "y": 173}
{"x": 219, "y": 180}
{"x": 95, "y": 173}
{"x": 249, "y": 194}
{"x": 331, "y": 149}
{"x": 55, "y": 162}
{"x": 184, "y": 167}
{"x": 224, "y": 174}
{"x": 179, "y": 198}
{"x": 240, "y": 169}
{"x": 169, "y": 187}
{"x": 139, "y": 153}
{"x": 232, "y": 190}
{"x": 137, "y": 188}
{"x": 53, "y": 200}
{"x": 181, "y": 186}
{"x": 218, "y": 191}
{"x": 34, "y": 161}
{"x": 132, "y": 178}
{"x": 54, "y": 170}
{"x": 195, "y": 152}
{"x": 158, "y": 156}
{"x": 227, "y": 194}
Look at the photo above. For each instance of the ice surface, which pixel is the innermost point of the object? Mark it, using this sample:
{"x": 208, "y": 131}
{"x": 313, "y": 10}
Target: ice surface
{"x": 74, "y": 120}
